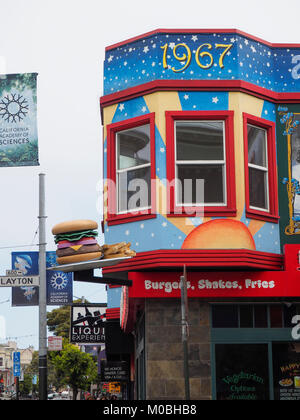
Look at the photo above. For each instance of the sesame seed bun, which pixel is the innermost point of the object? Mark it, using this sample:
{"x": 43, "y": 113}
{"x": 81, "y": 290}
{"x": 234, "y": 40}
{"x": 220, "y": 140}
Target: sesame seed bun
{"x": 74, "y": 226}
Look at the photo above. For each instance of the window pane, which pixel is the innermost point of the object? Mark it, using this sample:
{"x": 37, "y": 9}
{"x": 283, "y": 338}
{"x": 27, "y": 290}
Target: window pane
{"x": 257, "y": 146}
{"x": 260, "y": 316}
{"x": 276, "y": 316}
{"x": 246, "y": 316}
{"x": 286, "y": 371}
{"x": 133, "y": 147}
{"x": 199, "y": 140}
{"x": 258, "y": 188}
{"x": 212, "y": 174}
{"x": 242, "y": 372}
{"x": 225, "y": 316}
{"x": 134, "y": 189}
{"x": 288, "y": 313}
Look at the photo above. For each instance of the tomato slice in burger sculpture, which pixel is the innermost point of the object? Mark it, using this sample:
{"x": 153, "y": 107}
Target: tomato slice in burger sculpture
{"x": 76, "y": 241}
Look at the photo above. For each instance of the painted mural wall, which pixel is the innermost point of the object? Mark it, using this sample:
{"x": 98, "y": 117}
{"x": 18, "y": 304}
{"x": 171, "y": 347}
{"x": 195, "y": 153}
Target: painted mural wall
{"x": 288, "y": 146}
{"x": 189, "y": 55}
{"x": 216, "y": 58}
{"x": 165, "y": 232}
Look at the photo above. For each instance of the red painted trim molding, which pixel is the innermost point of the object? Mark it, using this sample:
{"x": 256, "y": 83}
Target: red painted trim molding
{"x": 113, "y": 218}
{"x": 199, "y": 259}
{"x": 112, "y": 313}
{"x": 272, "y": 214}
{"x": 198, "y": 31}
{"x": 199, "y": 85}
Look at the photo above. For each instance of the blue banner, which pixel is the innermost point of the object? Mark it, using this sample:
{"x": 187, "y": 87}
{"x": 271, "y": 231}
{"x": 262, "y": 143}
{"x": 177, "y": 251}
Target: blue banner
{"x": 18, "y": 120}
{"x": 27, "y": 263}
{"x": 59, "y": 284}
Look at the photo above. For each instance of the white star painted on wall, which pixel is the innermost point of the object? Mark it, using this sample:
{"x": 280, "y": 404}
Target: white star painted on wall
{"x": 146, "y": 49}
{"x": 110, "y": 58}
{"x": 121, "y": 107}
{"x": 215, "y": 100}
{"x": 194, "y": 38}
{"x": 144, "y": 109}
{"x": 186, "y": 97}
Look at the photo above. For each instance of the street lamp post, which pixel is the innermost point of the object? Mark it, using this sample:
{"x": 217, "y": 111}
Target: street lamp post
{"x": 42, "y": 293}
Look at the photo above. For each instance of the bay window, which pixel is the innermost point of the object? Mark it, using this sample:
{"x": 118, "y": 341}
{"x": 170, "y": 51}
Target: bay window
{"x": 131, "y": 169}
{"x": 260, "y": 169}
{"x": 200, "y": 162}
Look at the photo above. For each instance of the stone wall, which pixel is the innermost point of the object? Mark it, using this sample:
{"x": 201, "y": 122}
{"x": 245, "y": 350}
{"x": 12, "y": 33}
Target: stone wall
{"x": 164, "y": 350}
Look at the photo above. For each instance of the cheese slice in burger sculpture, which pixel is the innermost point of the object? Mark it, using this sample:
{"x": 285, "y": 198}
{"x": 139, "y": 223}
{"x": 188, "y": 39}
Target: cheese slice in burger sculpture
{"x": 76, "y": 241}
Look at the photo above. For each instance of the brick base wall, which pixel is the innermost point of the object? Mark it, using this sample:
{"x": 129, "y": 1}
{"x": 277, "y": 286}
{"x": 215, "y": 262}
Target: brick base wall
{"x": 164, "y": 350}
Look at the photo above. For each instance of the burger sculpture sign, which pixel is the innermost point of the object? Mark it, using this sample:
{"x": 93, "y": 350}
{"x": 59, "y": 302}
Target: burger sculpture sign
{"x": 76, "y": 241}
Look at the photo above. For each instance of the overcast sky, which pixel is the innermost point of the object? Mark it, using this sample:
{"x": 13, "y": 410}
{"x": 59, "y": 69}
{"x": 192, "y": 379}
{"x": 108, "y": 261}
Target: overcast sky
{"x": 64, "y": 42}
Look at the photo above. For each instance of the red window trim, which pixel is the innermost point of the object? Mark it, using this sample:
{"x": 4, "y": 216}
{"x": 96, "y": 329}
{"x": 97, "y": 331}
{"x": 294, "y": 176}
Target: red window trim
{"x": 270, "y": 215}
{"x": 229, "y": 210}
{"x": 112, "y": 129}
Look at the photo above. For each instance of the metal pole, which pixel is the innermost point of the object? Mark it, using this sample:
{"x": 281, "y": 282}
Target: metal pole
{"x": 184, "y": 323}
{"x": 17, "y": 387}
{"x": 42, "y": 293}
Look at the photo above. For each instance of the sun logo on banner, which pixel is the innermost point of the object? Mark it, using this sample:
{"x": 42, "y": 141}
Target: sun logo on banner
{"x": 59, "y": 281}
{"x": 13, "y": 108}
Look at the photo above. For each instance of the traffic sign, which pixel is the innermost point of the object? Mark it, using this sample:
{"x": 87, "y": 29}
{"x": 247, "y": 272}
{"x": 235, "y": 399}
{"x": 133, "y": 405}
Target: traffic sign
{"x": 54, "y": 343}
{"x": 17, "y": 363}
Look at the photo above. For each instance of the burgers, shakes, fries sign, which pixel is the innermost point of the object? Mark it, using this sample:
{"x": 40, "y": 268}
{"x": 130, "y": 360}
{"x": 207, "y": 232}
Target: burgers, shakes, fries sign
{"x": 16, "y": 278}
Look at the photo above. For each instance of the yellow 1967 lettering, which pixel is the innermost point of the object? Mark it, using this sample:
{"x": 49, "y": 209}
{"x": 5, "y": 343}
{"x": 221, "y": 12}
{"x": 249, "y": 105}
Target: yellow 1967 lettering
{"x": 204, "y": 58}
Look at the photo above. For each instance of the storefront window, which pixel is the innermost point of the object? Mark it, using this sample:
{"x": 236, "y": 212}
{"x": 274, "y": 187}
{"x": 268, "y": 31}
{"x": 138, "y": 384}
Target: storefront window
{"x": 242, "y": 372}
{"x": 286, "y": 371}
{"x": 254, "y": 316}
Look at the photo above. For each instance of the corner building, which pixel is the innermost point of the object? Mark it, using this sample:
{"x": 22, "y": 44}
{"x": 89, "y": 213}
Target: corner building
{"x": 202, "y": 170}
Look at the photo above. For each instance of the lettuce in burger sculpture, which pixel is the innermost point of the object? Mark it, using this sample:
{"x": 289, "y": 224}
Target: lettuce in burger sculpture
{"x": 76, "y": 241}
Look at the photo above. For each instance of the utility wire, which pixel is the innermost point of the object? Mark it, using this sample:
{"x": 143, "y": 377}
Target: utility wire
{"x": 4, "y": 301}
{"x": 22, "y": 246}
{"x": 17, "y": 246}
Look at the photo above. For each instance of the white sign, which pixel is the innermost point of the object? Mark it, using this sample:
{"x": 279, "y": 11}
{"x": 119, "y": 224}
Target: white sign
{"x": 14, "y": 281}
{"x": 54, "y": 343}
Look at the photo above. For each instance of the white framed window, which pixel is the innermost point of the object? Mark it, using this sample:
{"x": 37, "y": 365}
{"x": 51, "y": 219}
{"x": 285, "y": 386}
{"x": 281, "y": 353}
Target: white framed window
{"x": 133, "y": 169}
{"x": 258, "y": 171}
{"x": 200, "y": 155}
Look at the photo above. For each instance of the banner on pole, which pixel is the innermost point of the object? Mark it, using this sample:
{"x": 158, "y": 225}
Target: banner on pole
{"x": 28, "y": 264}
{"x": 59, "y": 284}
{"x": 18, "y": 120}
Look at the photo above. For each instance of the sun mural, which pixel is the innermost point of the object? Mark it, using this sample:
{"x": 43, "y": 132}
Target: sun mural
{"x": 220, "y": 234}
